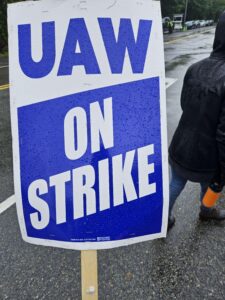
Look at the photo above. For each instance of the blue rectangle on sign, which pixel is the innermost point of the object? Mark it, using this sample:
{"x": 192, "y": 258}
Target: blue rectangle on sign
{"x": 136, "y": 124}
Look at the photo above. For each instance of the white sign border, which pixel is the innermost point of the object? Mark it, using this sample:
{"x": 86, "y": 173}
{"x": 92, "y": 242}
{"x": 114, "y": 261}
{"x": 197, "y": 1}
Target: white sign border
{"x": 91, "y": 245}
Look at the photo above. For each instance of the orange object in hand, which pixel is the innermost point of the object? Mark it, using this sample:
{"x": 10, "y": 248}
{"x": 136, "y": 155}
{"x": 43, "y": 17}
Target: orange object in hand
{"x": 210, "y": 197}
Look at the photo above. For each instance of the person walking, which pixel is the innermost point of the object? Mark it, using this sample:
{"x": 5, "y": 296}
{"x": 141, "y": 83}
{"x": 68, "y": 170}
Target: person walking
{"x": 197, "y": 150}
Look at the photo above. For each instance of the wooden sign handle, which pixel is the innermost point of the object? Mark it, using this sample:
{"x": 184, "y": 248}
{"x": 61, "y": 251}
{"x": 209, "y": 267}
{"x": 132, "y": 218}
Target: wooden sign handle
{"x": 89, "y": 275}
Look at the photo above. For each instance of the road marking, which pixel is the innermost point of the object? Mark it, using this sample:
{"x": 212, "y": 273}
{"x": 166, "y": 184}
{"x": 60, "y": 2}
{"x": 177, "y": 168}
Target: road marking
{"x": 170, "y": 81}
{"x": 3, "y": 67}
{"x": 187, "y": 36}
{"x": 4, "y": 87}
{"x": 7, "y": 203}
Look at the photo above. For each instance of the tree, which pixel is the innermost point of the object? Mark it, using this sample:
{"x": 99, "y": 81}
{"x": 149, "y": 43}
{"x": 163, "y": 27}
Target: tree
{"x": 3, "y": 23}
{"x": 171, "y": 7}
{"x": 197, "y": 9}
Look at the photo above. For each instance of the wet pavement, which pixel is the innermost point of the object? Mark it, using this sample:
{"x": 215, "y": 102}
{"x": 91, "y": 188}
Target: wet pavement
{"x": 176, "y": 35}
{"x": 6, "y": 174}
{"x": 188, "y": 264}
{"x": 178, "y": 56}
{"x": 4, "y": 72}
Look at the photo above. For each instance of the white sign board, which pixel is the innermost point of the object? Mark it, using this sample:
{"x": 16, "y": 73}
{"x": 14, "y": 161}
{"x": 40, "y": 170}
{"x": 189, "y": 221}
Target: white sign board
{"x": 88, "y": 122}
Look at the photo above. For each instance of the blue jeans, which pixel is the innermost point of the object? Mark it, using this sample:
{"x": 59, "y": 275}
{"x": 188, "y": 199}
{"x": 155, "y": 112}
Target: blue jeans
{"x": 177, "y": 184}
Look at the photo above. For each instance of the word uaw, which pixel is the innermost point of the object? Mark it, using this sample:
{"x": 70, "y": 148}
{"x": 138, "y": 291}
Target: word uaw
{"x": 115, "y": 44}
{"x": 86, "y": 179}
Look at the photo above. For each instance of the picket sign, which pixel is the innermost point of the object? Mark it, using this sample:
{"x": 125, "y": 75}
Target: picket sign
{"x": 88, "y": 113}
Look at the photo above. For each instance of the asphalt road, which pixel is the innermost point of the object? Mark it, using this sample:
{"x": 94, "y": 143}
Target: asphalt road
{"x": 188, "y": 264}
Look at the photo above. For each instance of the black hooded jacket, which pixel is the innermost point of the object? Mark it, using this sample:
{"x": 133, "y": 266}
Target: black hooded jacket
{"x": 197, "y": 150}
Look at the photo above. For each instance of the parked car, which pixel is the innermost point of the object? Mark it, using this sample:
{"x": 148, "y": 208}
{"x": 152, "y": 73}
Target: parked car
{"x": 202, "y": 23}
{"x": 196, "y": 24}
{"x": 211, "y": 22}
{"x": 190, "y": 25}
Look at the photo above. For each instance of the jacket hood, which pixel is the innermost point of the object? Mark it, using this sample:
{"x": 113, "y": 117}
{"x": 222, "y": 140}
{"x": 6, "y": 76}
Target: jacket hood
{"x": 219, "y": 41}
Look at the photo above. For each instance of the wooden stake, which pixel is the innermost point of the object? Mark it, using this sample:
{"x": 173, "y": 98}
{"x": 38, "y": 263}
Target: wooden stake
{"x": 89, "y": 275}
